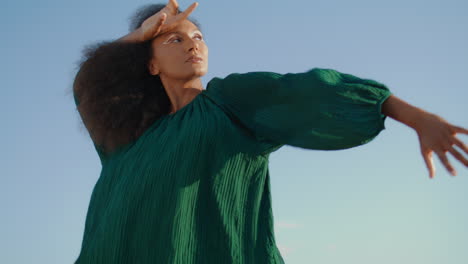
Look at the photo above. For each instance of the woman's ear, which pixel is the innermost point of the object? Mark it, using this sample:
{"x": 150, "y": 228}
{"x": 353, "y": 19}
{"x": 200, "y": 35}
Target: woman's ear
{"x": 153, "y": 68}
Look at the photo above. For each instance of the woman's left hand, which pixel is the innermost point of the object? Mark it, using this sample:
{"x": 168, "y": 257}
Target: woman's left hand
{"x": 439, "y": 136}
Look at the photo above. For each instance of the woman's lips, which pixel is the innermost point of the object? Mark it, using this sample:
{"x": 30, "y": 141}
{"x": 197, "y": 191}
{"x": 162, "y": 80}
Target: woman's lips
{"x": 195, "y": 59}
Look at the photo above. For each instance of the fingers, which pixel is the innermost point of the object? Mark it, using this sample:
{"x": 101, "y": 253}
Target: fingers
{"x": 460, "y": 130}
{"x": 444, "y": 160}
{"x": 460, "y": 144}
{"x": 427, "y": 155}
{"x": 187, "y": 11}
{"x": 160, "y": 23}
{"x": 174, "y": 4}
{"x": 458, "y": 156}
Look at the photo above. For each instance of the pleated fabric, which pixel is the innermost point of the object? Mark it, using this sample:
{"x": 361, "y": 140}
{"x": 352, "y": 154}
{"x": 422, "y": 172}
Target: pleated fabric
{"x": 195, "y": 187}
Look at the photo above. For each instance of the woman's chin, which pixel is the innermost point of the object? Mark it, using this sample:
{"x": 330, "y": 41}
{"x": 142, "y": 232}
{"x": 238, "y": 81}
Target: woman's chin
{"x": 199, "y": 72}
{"x": 189, "y": 74}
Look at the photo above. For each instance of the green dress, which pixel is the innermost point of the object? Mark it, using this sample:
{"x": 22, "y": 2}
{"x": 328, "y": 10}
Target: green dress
{"x": 195, "y": 187}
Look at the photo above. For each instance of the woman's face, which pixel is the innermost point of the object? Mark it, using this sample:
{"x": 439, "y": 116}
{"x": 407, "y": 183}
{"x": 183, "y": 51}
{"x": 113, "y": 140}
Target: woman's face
{"x": 172, "y": 50}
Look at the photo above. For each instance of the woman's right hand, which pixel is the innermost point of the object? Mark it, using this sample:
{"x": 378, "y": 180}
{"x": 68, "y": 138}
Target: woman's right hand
{"x": 164, "y": 20}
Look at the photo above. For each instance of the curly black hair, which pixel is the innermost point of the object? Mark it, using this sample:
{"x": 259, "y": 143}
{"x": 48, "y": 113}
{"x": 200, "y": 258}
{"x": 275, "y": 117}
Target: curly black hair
{"x": 116, "y": 96}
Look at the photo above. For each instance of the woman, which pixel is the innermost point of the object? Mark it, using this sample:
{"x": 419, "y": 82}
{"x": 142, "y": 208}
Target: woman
{"x": 184, "y": 169}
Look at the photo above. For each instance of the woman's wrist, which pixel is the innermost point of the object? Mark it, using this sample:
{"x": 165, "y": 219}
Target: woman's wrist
{"x": 134, "y": 36}
{"x": 403, "y": 112}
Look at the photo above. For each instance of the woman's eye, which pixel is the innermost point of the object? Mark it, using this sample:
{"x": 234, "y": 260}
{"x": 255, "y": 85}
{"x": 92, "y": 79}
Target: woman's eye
{"x": 179, "y": 39}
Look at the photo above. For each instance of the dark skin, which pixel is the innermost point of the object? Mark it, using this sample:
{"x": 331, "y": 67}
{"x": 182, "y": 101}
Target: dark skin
{"x": 182, "y": 83}
{"x": 180, "y": 78}
{"x": 435, "y": 134}
{"x": 174, "y": 40}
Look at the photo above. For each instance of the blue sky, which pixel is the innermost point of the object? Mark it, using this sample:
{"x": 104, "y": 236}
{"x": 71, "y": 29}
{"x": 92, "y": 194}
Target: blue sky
{"x": 370, "y": 204}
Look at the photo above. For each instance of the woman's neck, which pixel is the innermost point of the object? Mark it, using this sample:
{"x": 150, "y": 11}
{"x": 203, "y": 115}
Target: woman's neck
{"x": 181, "y": 92}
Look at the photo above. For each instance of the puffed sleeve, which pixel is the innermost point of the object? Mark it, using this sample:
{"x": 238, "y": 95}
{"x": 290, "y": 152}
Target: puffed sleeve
{"x": 318, "y": 109}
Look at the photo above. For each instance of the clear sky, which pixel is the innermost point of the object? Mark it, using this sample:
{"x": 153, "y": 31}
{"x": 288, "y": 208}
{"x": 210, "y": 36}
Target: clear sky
{"x": 369, "y": 204}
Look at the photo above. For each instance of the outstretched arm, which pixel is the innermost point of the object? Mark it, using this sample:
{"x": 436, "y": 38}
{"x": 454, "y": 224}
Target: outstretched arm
{"x": 435, "y": 133}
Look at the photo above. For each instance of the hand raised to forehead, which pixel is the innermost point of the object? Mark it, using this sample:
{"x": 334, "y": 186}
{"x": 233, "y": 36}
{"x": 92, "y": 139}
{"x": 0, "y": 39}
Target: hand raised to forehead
{"x": 164, "y": 20}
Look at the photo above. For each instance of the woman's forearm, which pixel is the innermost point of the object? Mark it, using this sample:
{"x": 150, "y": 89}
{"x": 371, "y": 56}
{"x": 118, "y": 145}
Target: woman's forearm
{"x": 134, "y": 36}
{"x": 435, "y": 134}
{"x": 402, "y": 111}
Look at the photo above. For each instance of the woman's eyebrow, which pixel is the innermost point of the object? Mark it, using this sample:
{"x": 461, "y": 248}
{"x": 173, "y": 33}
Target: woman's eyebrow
{"x": 179, "y": 32}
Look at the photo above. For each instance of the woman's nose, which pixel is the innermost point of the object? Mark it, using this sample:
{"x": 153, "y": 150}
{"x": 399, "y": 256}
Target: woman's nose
{"x": 192, "y": 45}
